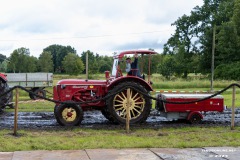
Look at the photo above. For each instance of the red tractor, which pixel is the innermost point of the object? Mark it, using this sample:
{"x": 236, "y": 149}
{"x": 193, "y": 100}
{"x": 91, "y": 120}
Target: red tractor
{"x": 114, "y": 107}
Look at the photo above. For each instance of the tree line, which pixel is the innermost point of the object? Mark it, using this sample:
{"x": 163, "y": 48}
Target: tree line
{"x": 188, "y": 50}
{"x": 56, "y": 59}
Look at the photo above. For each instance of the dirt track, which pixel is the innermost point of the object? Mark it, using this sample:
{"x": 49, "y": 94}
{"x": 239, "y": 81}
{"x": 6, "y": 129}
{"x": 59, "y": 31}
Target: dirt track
{"x": 94, "y": 119}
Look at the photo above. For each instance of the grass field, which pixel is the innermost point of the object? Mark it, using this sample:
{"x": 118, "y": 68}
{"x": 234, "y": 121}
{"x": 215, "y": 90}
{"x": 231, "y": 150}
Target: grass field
{"x": 77, "y": 138}
{"x": 83, "y": 138}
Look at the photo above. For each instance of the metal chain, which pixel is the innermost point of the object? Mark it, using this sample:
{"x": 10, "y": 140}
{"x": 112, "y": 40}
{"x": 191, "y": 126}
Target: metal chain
{"x": 113, "y": 94}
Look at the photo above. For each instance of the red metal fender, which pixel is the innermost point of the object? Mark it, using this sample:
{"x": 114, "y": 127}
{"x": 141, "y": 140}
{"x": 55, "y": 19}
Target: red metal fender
{"x": 194, "y": 112}
{"x": 3, "y": 77}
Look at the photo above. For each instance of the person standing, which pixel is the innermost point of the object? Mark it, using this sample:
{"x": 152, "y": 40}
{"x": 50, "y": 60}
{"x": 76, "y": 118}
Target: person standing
{"x": 132, "y": 67}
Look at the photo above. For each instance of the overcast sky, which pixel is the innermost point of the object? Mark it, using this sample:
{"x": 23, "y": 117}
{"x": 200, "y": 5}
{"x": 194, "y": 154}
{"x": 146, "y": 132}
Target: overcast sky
{"x": 101, "y": 26}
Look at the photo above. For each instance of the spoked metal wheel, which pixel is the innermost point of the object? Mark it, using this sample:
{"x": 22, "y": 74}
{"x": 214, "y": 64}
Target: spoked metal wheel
{"x": 68, "y": 114}
{"x": 137, "y": 103}
{"x": 140, "y": 105}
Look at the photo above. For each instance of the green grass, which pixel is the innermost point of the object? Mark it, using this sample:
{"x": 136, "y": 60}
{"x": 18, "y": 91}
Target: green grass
{"x": 42, "y": 106}
{"x": 183, "y": 84}
{"x": 28, "y": 105}
{"x": 77, "y": 138}
{"x": 83, "y": 138}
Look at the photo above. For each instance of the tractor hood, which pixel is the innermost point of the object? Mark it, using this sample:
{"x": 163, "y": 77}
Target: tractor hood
{"x": 81, "y": 82}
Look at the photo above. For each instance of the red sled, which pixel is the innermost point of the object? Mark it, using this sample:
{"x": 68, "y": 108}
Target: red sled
{"x": 192, "y": 111}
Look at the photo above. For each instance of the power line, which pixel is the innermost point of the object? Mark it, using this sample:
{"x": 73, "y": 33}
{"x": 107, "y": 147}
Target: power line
{"x": 84, "y": 37}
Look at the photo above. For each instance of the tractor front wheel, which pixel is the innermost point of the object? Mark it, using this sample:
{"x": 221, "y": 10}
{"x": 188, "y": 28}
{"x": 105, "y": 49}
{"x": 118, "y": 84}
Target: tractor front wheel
{"x": 140, "y": 105}
{"x": 68, "y": 114}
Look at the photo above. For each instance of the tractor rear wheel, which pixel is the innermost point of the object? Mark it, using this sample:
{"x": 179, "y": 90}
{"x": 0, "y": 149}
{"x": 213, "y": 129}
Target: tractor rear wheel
{"x": 68, "y": 114}
{"x": 107, "y": 115}
{"x": 140, "y": 105}
{"x": 55, "y": 111}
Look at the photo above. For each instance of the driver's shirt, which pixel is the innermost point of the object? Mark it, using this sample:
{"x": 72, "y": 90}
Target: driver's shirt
{"x": 128, "y": 67}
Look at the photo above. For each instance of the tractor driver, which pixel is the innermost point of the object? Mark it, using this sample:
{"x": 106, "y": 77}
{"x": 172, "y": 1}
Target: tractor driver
{"x": 132, "y": 67}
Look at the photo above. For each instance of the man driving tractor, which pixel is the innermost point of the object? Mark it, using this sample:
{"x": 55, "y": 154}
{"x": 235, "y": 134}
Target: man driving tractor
{"x": 132, "y": 67}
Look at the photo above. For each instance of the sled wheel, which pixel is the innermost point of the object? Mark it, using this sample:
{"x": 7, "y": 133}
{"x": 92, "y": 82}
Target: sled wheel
{"x": 195, "y": 118}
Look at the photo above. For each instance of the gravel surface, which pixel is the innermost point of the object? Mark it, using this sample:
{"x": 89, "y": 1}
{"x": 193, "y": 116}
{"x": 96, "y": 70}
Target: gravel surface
{"x": 94, "y": 119}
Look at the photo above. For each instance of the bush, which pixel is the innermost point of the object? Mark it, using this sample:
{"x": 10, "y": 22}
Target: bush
{"x": 228, "y": 71}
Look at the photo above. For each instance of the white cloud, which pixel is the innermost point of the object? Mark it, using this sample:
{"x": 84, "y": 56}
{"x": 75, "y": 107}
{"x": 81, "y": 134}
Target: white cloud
{"x": 102, "y": 26}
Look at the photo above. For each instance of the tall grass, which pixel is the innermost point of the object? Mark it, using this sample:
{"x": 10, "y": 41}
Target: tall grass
{"x": 160, "y": 82}
{"x": 183, "y": 84}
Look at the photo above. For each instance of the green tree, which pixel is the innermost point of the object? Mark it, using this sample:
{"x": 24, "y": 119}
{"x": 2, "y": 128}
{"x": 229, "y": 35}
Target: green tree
{"x": 45, "y": 62}
{"x": 228, "y": 71}
{"x": 229, "y": 45}
{"x": 58, "y": 53}
{"x": 3, "y": 66}
{"x": 104, "y": 66}
{"x": 212, "y": 13}
{"x": 73, "y": 64}
{"x": 2, "y": 57}
{"x": 3, "y": 63}
{"x": 31, "y": 64}
{"x": 228, "y": 38}
{"x": 193, "y": 36}
{"x": 93, "y": 62}
{"x": 181, "y": 43}
{"x": 236, "y": 17}
{"x": 21, "y": 61}
{"x": 168, "y": 67}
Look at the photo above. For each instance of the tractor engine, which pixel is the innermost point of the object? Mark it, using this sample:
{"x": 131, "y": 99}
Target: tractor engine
{"x": 81, "y": 91}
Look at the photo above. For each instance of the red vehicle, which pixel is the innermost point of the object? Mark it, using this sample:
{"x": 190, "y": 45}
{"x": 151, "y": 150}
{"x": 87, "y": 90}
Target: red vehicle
{"x": 6, "y": 99}
{"x": 191, "y": 112}
{"x": 113, "y": 108}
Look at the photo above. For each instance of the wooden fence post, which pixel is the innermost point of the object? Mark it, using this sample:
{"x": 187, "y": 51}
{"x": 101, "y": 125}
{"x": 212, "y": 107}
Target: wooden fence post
{"x": 233, "y": 107}
{"x": 16, "y": 112}
{"x": 128, "y": 110}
